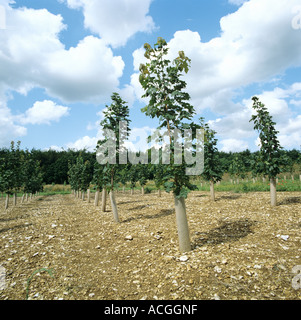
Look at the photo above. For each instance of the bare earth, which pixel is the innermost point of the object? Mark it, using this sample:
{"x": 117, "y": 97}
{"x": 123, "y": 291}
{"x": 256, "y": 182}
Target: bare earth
{"x": 243, "y": 248}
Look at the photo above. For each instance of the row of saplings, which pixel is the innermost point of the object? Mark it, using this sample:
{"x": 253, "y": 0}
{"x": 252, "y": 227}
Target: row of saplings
{"x": 19, "y": 173}
{"x": 169, "y": 103}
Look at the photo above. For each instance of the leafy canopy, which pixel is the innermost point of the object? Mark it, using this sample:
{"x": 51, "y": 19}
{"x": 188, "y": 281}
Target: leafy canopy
{"x": 169, "y": 103}
{"x": 212, "y": 165}
{"x": 114, "y": 114}
{"x": 269, "y": 160}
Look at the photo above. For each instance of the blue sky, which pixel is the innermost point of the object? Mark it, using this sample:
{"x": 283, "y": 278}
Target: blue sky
{"x": 60, "y": 61}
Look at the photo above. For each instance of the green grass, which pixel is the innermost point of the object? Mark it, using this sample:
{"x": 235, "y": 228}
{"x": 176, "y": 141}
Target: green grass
{"x": 50, "y": 272}
{"x": 225, "y": 186}
{"x": 244, "y": 187}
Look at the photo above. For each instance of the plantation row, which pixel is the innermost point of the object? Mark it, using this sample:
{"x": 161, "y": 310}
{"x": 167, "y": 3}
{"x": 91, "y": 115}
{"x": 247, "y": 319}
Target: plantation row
{"x": 19, "y": 172}
{"x": 237, "y": 168}
{"x": 54, "y": 164}
{"x": 169, "y": 103}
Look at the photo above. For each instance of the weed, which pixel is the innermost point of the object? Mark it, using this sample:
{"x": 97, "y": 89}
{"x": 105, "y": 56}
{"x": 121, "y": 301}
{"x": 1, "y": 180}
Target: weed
{"x": 30, "y": 278}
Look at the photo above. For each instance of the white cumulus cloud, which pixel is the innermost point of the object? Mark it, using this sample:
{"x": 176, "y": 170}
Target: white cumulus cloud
{"x": 9, "y": 129}
{"x": 234, "y": 145}
{"x": 32, "y": 55}
{"x": 256, "y": 45}
{"x": 87, "y": 73}
{"x": 115, "y": 21}
{"x": 86, "y": 142}
{"x": 278, "y": 103}
{"x": 44, "y": 112}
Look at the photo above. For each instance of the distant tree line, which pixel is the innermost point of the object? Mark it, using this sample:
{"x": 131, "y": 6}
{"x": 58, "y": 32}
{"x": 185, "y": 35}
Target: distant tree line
{"x": 54, "y": 164}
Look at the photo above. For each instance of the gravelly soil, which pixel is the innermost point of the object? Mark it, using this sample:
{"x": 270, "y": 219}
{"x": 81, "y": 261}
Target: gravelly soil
{"x": 242, "y": 248}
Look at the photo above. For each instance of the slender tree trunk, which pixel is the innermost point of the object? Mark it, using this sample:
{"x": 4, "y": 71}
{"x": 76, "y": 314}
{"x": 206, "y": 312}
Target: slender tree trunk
{"x": 26, "y": 197}
{"x": 132, "y": 191}
{"x": 273, "y": 192}
{"x": 159, "y": 192}
{"x": 212, "y": 194}
{"x": 104, "y": 200}
{"x": 96, "y": 199}
{"x": 300, "y": 177}
{"x": 6, "y": 201}
{"x": 123, "y": 189}
{"x": 182, "y": 225}
{"x": 22, "y": 199}
{"x": 15, "y": 199}
{"x": 142, "y": 190}
{"x": 88, "y": 195}
{"x": 114, "y": 206}
{"x": 83, "y": 195}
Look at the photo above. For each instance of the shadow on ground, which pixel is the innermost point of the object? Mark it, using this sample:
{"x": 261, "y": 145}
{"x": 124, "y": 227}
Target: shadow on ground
{"x": 226, "y": 232}
{"x": 290, "y": 200}
{"x": 162, "y": 213}
{"x": 230, "y": 197}
{"x": 15, "y": 227}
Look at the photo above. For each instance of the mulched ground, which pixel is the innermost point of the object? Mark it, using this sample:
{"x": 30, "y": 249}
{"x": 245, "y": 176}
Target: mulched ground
{"x": 242, "y": 248}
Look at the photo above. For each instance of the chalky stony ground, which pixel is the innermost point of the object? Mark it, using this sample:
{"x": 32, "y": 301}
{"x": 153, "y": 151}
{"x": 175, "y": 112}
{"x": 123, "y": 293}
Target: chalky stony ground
{"x": 242, "y": 248}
